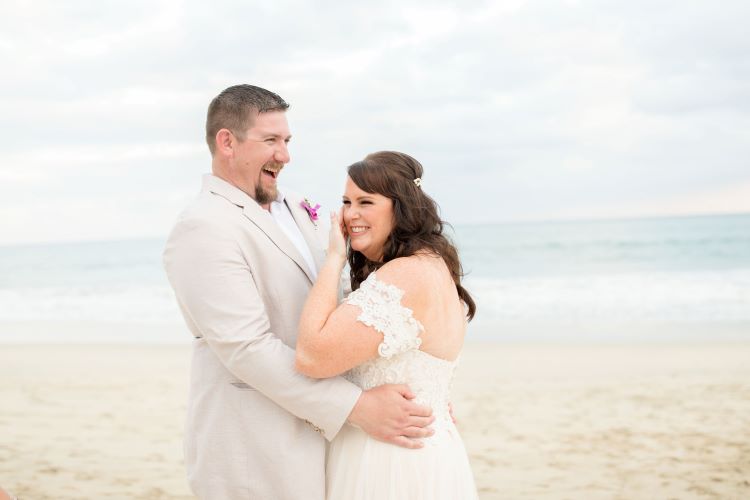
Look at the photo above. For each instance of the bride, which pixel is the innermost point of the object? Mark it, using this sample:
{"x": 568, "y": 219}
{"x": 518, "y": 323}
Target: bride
{"x": 404, "y": 323}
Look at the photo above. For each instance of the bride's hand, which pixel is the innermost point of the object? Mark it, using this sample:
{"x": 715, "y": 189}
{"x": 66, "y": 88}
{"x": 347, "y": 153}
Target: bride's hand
{"x": 337, "y": 236}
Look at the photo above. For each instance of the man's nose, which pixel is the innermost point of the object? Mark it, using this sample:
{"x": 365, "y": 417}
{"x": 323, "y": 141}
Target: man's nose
{"x": 282, "y": 154}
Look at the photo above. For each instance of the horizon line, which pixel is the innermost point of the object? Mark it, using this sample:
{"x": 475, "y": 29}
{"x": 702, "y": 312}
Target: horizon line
{"x": 536, "y": 221}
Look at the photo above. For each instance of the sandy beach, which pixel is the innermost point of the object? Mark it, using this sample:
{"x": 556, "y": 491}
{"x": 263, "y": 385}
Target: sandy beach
{"x": 539, "y": 421}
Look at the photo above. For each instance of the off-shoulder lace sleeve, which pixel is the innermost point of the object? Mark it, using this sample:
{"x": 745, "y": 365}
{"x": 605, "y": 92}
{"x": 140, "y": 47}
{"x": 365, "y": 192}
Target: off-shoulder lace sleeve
{"x": 381, "y": 309}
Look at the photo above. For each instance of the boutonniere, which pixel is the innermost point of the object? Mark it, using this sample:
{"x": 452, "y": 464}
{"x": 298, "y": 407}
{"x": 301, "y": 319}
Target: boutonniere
{"x": 312, "y": 211}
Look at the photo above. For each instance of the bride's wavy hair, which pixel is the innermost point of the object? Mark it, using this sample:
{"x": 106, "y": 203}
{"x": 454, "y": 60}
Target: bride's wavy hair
{"x": 416, "y": 222}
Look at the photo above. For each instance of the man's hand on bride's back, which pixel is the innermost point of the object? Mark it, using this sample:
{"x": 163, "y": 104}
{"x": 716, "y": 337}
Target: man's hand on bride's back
{"x": 388, "y": 414}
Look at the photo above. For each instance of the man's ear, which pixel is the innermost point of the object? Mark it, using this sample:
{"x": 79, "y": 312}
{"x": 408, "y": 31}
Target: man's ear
{"x": 225, "y": 142}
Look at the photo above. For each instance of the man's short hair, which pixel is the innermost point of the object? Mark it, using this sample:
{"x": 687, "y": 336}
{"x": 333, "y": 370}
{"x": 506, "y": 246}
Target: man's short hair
{"x": 235, "y": 109}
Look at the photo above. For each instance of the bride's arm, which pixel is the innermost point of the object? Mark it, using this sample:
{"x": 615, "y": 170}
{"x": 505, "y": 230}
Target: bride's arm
{"x": 330, "y": 339}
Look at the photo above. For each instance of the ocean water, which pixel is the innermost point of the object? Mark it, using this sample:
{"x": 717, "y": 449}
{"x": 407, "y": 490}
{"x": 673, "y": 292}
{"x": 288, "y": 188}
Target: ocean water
{"x": 614, "y": 280}
{"x": 664, "y": 279}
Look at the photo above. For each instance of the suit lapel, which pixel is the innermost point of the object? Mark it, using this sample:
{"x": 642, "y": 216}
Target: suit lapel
{"x": 265, "y": 223}
{"x": 310, "y": 230}
{"x": 261, "y": 218}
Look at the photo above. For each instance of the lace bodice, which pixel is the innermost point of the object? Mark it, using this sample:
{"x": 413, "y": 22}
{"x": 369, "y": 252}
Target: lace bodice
{"x": 401, "y": 361}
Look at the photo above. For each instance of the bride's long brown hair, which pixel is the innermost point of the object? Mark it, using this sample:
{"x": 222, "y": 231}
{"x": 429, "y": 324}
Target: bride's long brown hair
{"x": 416, "y": 222}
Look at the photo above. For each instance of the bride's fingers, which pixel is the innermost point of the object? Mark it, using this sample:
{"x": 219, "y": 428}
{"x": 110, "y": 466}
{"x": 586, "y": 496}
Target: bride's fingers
{"x": 340, "y": 220}
{"x": 337, "y": 220}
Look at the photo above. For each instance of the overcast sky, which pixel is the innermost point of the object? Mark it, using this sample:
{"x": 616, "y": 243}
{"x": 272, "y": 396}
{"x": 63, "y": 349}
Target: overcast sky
{"x": 517, "y": 110}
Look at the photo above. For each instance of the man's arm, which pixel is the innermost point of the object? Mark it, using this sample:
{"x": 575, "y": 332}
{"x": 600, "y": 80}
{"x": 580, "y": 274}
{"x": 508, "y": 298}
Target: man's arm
{"x": 218, "y": 294}
{"x": 387, "y": 413}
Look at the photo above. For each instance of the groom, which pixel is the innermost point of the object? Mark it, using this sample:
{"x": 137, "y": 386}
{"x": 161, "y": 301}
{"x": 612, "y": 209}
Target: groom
{"x": 241, "y": 259}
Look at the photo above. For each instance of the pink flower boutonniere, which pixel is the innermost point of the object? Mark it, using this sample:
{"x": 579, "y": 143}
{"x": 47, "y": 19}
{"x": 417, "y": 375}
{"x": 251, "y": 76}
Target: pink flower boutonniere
{"x": 312, "y": 211}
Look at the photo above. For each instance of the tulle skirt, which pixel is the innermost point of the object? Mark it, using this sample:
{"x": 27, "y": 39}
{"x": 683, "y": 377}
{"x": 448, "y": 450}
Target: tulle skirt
{"x": 361, "y": 468}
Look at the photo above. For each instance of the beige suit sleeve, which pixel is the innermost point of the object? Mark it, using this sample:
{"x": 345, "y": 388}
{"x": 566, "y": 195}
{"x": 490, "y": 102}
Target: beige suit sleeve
{"x": 217, "y": 293}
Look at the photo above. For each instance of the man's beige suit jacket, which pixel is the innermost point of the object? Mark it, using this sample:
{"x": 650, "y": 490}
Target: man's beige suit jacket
{"x": 255, "y": 427}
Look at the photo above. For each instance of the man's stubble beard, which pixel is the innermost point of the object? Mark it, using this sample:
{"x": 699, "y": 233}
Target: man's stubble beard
{"x": 264, "y": 196}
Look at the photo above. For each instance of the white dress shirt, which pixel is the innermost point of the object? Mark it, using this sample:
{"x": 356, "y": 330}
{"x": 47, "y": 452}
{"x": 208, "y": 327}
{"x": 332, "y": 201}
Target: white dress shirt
{"x": 283, "y": 217}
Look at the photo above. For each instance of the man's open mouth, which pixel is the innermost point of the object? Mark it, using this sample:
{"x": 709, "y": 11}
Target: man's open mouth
{"x": 272, "y": 170}
{"x": 271, "y": 173}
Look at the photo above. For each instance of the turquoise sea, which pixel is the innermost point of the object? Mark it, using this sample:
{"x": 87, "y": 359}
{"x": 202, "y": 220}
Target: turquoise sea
{"x": 666, "y": 279}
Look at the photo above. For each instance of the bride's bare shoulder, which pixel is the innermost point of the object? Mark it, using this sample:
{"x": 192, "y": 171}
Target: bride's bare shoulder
{"x": 414, "y": 274}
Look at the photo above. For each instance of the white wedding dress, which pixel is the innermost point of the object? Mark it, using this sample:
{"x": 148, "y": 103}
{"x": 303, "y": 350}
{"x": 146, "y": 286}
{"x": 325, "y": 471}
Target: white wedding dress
{"x": 359, "y": 467}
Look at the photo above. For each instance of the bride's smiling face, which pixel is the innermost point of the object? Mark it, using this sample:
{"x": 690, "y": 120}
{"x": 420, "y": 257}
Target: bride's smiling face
{"x": 368, "y": 218}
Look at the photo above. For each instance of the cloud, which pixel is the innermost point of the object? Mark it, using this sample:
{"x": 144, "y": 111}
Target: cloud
{"x": 517, "y": 109}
